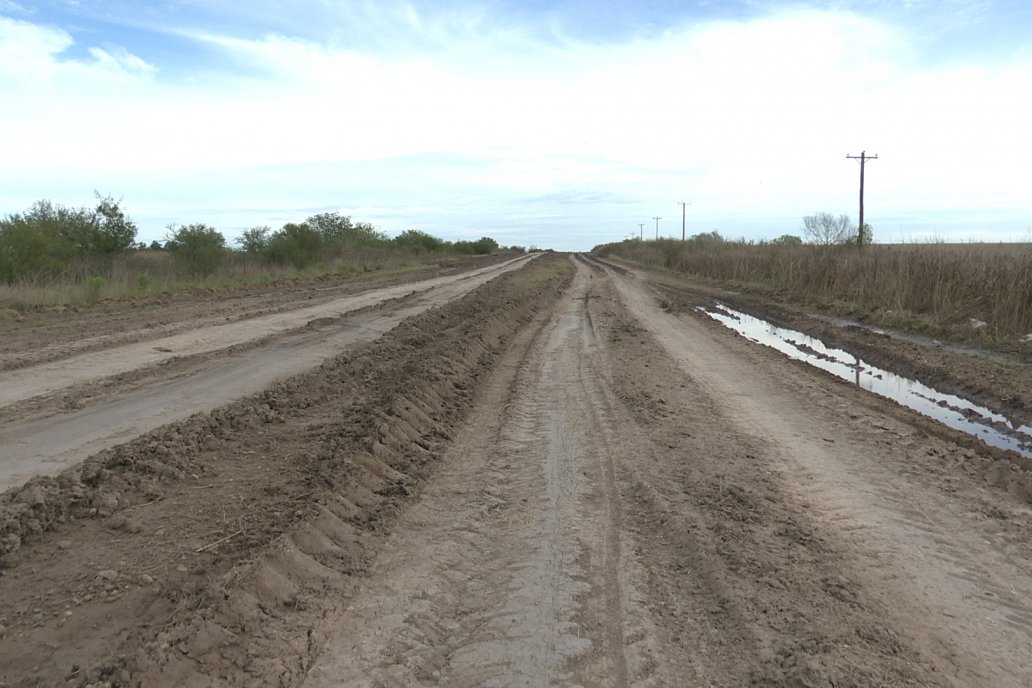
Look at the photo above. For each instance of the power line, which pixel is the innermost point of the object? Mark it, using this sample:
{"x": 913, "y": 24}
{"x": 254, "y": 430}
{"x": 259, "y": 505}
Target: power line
{"x": 657, "y": 219}
{"x": 863, "y": 158}
{"x": 641, "y": 231}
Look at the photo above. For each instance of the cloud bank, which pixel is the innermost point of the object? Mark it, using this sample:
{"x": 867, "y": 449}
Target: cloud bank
{"x": 463, "y": 125}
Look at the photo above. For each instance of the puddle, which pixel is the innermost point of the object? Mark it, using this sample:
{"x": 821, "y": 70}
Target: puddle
{"x": 991, "y": 427}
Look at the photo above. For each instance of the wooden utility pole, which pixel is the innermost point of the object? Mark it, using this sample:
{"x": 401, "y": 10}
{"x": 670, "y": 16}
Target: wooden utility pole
{"x": 641, "y": 231}
{"x": 683, "y": 206}
{"x": 657, "y": 219}
{"x": 863, "y": 158}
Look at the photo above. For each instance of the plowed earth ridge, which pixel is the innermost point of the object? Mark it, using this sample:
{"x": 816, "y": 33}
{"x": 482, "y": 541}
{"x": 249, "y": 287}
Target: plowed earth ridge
{"x": 217, "y": 548}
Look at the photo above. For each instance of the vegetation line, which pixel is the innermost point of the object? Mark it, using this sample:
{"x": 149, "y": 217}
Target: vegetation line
{"x": 978, "y": 294}
{"x": 53, "y": 255}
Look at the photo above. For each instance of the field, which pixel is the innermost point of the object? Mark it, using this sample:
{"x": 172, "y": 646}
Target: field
{"x": 943, "y": 290}
{"x": 516, "y": 470}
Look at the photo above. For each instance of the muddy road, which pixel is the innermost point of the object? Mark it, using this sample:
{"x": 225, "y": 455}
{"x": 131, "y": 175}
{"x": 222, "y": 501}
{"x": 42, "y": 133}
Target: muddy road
{"x": 563, "y": 475}
{"x": 59, "y": 411}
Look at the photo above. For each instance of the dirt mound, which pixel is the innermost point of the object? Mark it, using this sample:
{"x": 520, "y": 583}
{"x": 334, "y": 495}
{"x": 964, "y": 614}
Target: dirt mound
{"x": 217, "y": 550}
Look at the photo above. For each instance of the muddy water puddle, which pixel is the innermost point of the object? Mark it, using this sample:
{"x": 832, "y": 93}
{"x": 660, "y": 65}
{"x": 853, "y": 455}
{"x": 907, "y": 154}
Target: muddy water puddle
{"x": 991, "y": 427}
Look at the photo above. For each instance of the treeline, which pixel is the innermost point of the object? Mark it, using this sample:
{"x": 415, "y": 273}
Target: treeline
{"x": 51, "y": 242}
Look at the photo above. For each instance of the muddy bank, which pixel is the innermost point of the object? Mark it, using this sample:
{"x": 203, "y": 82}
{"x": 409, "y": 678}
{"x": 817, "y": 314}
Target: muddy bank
{"x": 1004, "y": 386}
{"x": 216, "y": 550}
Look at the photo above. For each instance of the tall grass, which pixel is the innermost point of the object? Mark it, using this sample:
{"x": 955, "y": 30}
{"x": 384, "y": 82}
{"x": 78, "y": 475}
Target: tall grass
{"x": 138, "y": 274}
{"x": 937, "y": 288}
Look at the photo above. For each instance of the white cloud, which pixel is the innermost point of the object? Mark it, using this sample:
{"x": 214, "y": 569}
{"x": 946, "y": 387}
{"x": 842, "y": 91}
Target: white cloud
{"x": 748, "y": 119}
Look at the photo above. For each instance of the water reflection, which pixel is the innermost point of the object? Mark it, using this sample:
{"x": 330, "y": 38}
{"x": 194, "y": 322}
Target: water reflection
{"x": 991, "y": 427}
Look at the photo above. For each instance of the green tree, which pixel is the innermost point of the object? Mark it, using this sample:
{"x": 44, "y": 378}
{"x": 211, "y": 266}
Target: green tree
{"x": 788, "y": 240}
{"x": 868, "y": 236}
{"x": 297, "y": 245}
{"x": 109, "y": 230}
{"x": 484, "y": 246}
{"x": 197, "y": 248}
{"x": 41, "y": 242}
{"x": 416, "y": 240}
{"x": 708, "y": 238}
{"x": 255, "y": 240}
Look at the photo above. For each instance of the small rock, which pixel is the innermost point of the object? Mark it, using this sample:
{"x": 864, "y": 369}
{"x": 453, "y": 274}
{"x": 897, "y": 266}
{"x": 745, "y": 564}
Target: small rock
{"x": 64, "y": 544}
{"x": 108, "y": 574}
{"x": 182, "y": 568}
{"x": 146, "y": 579}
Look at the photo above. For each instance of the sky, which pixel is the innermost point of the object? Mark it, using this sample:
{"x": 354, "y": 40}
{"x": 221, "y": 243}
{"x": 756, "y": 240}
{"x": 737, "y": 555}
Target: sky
{"x": 552, "y": 124}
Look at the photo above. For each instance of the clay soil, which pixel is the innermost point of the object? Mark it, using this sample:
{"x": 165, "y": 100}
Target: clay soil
{"x": 561, "y": 474}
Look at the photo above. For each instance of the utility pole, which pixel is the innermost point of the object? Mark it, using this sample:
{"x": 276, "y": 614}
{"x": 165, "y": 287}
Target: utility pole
{"x": 641, "y": 231}
{"x": 683, "y": 206}
{"x": 863, "y": 158}
{"x": 657, "y": 219}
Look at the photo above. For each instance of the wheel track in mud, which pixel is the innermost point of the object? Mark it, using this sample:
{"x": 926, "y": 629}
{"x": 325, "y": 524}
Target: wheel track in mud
{"x": 311, "y": 473}
{"x": 562, "y": 492}
{"x": 504, "y": 549}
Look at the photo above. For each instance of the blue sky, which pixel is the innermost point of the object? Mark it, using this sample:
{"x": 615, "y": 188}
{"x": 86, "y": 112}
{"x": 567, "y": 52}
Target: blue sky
{"x": 556, "y": 124}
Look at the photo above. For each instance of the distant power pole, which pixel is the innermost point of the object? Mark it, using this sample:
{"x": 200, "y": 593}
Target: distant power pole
{"x": 863, "y": 158}
{"x": 641, "y": 231}
{"x": 683, "y": 206}
{"x": 657, "y": 219}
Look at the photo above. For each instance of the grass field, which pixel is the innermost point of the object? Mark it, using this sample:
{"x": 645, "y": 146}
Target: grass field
{"x": 943, "y": 290}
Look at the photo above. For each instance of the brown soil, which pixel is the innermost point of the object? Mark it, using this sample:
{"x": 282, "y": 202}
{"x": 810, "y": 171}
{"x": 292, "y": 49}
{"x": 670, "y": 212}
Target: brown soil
{"x": 565, "y": 477}
{"x": 50, "y": 333}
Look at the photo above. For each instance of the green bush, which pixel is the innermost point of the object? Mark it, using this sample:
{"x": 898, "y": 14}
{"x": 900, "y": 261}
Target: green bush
{"x": 297, "y": 245}
{"x": 197, "y": 249}
{"x": 43, "y": 242}
{"x": 415, "y": 240}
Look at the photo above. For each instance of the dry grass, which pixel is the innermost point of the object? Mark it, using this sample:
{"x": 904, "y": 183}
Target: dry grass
{"x": 933, "y": 288}
{"x": 144, "y": 273}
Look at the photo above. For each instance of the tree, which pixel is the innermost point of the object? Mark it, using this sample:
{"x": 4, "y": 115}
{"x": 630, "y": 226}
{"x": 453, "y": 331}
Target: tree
{"x": 788, "y": 240}
{"x": 708, "y": 238}
{"x": 297, "y": 245}
{"x": 868, "y": 236}
{"x": 109, "y": 230}
{"x": 41, "y": 242}
{"x": 484, "y": 246}
{"x": 418, "y": 241}
{"x": 255, "y": 240}
{"x": 196, "y": 248}
{"x": 826, "y": 229}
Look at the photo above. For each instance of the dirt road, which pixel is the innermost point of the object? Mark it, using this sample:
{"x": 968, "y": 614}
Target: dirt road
{"x": 565, "y": 477}
{"x": 58, "y": 412}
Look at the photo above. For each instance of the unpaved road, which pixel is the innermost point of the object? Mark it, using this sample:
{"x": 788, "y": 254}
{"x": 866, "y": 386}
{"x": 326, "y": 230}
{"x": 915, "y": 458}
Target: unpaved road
{"x": 165, "y": 379}
{"x": 565, "y": 477}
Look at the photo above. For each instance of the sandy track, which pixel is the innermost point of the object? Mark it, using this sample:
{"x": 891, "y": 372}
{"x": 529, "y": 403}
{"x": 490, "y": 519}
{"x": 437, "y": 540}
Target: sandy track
{"x": 103, "y": 399}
